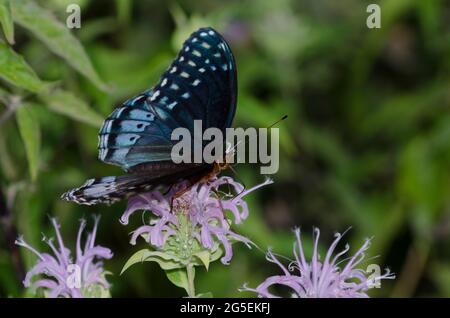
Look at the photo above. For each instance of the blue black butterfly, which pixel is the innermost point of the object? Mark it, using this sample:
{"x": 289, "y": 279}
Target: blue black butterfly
{"x": 200, "y": 84}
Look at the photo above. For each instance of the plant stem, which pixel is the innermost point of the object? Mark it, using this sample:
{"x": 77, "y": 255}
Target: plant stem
{"x": 190, "y": 275}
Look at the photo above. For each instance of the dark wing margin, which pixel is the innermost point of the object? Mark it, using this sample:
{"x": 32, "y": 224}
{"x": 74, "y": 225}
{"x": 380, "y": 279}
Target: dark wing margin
{"x": 201, "y": 83}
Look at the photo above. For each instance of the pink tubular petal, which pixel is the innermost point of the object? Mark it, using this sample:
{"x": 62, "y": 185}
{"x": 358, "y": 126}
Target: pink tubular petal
{"x": 205, "y": 209}
{"x": 55, "y": 268}
{"x": 322, "y": 279}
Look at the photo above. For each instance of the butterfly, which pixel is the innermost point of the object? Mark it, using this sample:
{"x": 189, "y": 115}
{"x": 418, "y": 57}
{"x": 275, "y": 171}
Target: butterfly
{"x": 200, "y": 84}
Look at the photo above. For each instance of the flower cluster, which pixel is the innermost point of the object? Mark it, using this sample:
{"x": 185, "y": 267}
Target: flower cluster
{"x": 193, "y": 221}
{"x": 64, "y": 278}
{"x": 316, "y": 279}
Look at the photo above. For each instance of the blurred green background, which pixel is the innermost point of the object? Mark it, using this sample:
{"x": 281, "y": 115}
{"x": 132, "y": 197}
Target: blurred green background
{"x": 366, "y": 145}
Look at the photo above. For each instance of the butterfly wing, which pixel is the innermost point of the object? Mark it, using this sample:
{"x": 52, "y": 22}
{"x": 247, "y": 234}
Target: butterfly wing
{"x": 134, "y": 134}
{"x": 200, "y": 84}
{"x": 157, "y": 176}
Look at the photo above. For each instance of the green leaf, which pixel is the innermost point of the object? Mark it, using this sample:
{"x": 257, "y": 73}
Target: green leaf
{"x": 179, "y": 278}
{"x": 16, "y": 71}
{"x": 30, "y": 133}
{"x": 204, "y": 257}
{"x": 7, "y": 164}
{"x": 137, "y": 257}
{"x": 164, "y": 260}
{"x": 56, "y": 36}
{"x": 6, "y": 20}
{"x": 66, "y": 103}
{"x": 217, "y": 253}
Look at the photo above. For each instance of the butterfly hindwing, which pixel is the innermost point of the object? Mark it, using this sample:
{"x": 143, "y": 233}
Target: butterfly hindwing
{"x": 108, "y": 190}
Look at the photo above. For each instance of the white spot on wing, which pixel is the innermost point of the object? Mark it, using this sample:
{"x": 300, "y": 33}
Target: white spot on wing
{"x": 154, "y": 96}
{"x": 172, "y": 105}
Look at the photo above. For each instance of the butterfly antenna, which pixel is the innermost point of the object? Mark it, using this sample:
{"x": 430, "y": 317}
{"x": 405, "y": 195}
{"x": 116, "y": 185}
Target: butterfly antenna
{"x": 239, "y": 178}
{"x": 278, "y": 121}
{"x": 234, "y": 147}
{"x": 270, "y": 126}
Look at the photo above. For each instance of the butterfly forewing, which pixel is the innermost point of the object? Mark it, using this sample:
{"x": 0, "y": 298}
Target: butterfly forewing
{"x": 200, "y": 84}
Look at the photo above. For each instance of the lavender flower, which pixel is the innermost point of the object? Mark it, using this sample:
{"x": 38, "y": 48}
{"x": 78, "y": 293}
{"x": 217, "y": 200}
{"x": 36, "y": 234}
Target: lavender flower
{"x": 316, "y": 279}
{"x": 193, "y": 222}
{"x": 63, "y": 278}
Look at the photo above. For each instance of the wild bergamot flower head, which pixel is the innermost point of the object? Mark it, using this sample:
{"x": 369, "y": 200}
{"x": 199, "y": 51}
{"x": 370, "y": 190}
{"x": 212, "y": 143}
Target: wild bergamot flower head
{"x": 60, "y": 276}
{"x": 191, "y": 228}
{"x": 331, "y": 277}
